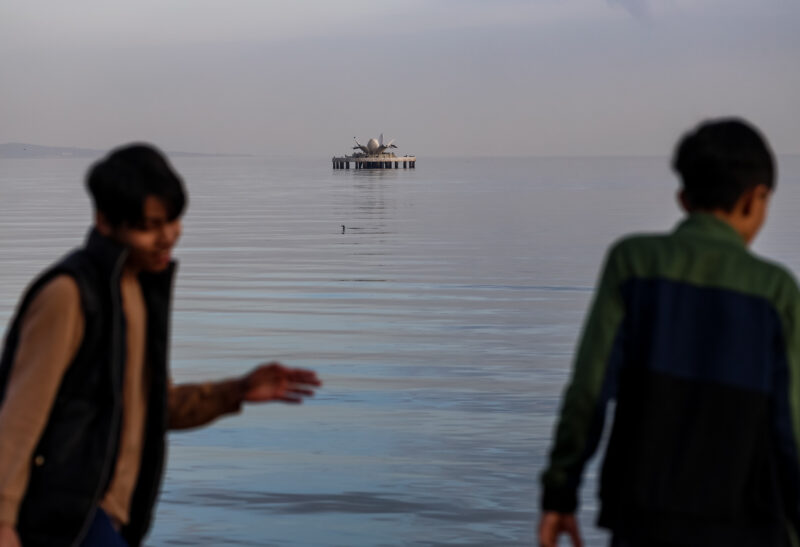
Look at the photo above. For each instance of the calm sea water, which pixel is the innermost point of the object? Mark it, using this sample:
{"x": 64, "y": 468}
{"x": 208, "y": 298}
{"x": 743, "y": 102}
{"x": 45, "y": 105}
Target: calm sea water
{"x": 442, "y": 322}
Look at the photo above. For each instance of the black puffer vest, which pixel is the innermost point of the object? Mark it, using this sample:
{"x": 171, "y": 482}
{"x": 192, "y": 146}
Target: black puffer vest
{"x": 74, "y": 459}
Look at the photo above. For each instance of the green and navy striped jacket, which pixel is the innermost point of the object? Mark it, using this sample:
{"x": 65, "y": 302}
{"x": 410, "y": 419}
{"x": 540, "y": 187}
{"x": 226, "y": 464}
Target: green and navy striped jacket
{"x": 698, "y": 342}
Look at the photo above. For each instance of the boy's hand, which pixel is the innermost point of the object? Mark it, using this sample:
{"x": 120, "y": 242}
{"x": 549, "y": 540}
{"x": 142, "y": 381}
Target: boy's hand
{"x": 275, "y": 382}
{"x": 8, "y": 536}
{"x": 554, "y": 524}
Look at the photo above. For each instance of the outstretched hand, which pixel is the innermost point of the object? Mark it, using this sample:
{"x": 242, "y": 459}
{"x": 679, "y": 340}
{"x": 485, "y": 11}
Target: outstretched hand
{"x": 275, "y": 382}
{"x": 554, "y": 524}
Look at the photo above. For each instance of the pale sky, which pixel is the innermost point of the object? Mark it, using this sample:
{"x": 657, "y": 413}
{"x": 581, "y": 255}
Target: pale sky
{"x": 442, "y": 77}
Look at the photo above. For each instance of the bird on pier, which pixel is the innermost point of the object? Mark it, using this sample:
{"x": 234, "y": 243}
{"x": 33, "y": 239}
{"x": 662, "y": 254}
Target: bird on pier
{"x": 343, "y": 228}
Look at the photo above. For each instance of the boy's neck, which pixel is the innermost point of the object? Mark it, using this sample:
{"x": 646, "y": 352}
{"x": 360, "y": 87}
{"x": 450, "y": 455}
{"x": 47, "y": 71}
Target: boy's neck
{"x": 129, "y": 271}
{"x": 732, "y": 220}
{"x": 746, "y": 216}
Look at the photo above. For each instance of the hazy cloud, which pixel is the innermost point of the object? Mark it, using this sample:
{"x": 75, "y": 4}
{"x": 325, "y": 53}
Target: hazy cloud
{"x": 639, "y": 9}
{"x": 442, "y": 77}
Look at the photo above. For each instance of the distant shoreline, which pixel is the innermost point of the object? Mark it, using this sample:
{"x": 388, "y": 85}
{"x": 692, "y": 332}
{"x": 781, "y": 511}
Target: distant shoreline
{"x": 17, "y": 150}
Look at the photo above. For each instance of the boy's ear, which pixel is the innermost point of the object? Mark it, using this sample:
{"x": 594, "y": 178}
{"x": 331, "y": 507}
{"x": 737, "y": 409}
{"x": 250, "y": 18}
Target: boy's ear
{"x": 746, "y": 202}
{"x": 102, "y": 224}
{"x": 751, "y": 199}
{"x": 683, "y": 201}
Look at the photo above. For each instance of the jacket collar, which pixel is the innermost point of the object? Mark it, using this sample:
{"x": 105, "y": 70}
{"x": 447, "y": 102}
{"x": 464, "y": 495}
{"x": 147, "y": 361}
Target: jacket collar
{"x": 106, "y": 253}
{"x": 109, "y": 256}
{"x": 708, "y": 226}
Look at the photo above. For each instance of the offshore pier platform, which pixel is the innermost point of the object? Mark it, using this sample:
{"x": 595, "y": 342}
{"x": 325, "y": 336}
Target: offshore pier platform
{"x": 374, "y": 156}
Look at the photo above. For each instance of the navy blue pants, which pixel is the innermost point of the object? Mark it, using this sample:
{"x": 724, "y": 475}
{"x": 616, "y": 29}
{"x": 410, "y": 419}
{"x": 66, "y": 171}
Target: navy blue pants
{"x": 102, "y": 533}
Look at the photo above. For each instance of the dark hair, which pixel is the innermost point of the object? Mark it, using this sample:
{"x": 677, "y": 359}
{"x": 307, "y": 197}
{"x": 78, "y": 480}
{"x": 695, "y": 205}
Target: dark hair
{"x": 120, "y": 183}
{"x": 720, "y": 160}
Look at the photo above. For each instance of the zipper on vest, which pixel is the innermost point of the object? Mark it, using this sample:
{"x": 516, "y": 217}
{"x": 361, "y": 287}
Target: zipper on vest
{"x": 115, "y": 338}
{"x": 158, "y": 476}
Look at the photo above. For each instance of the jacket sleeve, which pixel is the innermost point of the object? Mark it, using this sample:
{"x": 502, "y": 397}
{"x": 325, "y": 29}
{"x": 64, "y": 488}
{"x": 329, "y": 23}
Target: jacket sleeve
{"x": 593, "y": 383}
{"x": 786, "y": 400}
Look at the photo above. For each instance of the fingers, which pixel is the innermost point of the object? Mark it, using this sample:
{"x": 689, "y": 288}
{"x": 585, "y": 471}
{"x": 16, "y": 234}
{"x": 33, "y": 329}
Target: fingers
{"x": 301, "y": 376}
{"x": 548, "y": 530}
{"x": 294, "y": 395}
{"x": 295, "y": 375}
{"x": 575, "y": 536}
{"x": 294, "y": 392}
{"x": 571, "y": 527}
{"x": 275, "y": 382}
{"x": 552, "y": 524}
{"x": 547, "y": 541}
{"x": 271, "y": 368}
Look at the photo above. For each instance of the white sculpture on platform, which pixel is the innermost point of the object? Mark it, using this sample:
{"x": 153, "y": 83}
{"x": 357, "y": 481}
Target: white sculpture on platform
{"x": 374, "y": 147}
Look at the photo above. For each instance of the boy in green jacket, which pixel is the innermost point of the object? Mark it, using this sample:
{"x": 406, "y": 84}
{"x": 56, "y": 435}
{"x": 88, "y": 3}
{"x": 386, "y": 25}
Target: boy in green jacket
{"x": 698, "y": 342}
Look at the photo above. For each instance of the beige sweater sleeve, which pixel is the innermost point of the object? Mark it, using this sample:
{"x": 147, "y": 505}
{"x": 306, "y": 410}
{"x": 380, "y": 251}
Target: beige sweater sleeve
{"x": 50, "y": 335}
